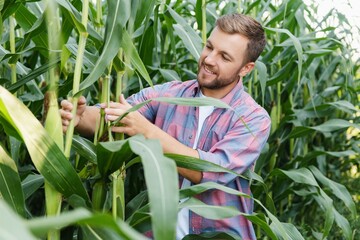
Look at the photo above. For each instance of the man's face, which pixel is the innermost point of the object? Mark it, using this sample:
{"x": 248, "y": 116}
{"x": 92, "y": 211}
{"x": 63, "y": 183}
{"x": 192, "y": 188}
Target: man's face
{"x": 221, "y": 63}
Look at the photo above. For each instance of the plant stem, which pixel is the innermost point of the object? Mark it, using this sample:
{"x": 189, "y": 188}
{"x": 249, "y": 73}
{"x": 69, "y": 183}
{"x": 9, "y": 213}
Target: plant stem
{"x": 12, "y": 48}
{"x": 106, "y": 93}
{"x": 117, "y": 177}
{"x": 278, "y": 100}
{"x": 239, "y": 6}
{"x": 77, "y": 76}
{"x": 53, "y": 199}
{"x": 98, "y": 14}
{"x": 250, "y": 83}
{"x": 119, "y": 83}
{"x": 203, "y": 32}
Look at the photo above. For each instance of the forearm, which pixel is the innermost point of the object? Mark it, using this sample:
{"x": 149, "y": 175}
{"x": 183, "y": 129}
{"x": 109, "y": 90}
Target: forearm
{"x": 135, "y": 123}
{"x": 171, "y": 145}
{"x": 88, "y": 121}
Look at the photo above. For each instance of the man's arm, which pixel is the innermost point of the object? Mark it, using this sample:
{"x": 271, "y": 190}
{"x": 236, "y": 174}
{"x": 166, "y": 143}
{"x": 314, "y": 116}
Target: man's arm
{"x": 85, "y": 119}
{"x": 135, "y": 123}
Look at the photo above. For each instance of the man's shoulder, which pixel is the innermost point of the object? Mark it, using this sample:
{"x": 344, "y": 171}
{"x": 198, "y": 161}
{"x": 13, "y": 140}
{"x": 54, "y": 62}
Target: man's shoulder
{"x": 176, "y": 87}
{"x": 179, "y": 84}
{"x": 247, "y": 106}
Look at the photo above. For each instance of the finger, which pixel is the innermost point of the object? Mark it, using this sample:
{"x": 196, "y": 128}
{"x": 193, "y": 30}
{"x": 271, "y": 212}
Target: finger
{"x": 66, "y": 105}
{"x": 111, "y": 117}
{"x": 121, "y": 129}
{"x": 123, "y": 101}
{"x": 65, "y": 115}
{"x": 114, "y": 111}
{"x": 82, "y": 100}
{"x": 65, "y": 122}
{"x": 111, "y": 105}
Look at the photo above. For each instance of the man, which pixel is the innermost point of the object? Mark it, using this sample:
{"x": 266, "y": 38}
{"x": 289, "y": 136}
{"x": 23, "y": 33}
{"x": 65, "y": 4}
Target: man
{"x": 230, "y": 138}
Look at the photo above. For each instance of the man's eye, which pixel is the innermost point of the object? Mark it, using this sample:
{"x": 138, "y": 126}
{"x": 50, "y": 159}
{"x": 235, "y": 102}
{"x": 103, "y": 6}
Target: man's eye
{"x": 225, "y": 58}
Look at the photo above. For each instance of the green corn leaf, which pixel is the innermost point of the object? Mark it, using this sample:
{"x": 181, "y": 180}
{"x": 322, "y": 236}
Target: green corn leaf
{"x": 136, "y": 203}
{"x": 74, "y": 15}
{"x": 202, "y": 187}
{"x": 188, "y": 35}
{"x": 12, "y": 226}
{"x": 141, "y": 12}
{"x": 111, "y": 46}
{"x": 327, "y": 205}
{"x": 218, "y": 212}
{"x": 85, "y": 148}
{"x": 297, "y": 46}
{"x": 161, "y": 180}
{"x": 290, "y": 229}
{"x": 125, "y": 11}
{"x": 169, "y": 75}
{"x": 301, "y": 175}
{"x": 27, "y": 20}
{"x": 263, "y": 77}
{"x": 327, "y": 127}
{"x": 212, "y": 235}
{"x": 344, "y": 106}
{"x": 89, "y": 59}
{"x": 31, "y": 184}
{"x": 221, "y": 212}
{"x": 188, "y": 41}
{"x": 199, "y": 164}
{"x": 132, "y": 54}
{"x": 10, "y": 186}
{"x": 112, "y": 155}
{"x": 82, "y": 217}
{"x": 343, "y": 224}
{"x": 209, "y": 101}
{"x": 338, "y": 190}
{"x": 8, "y": 8}
{"x": 20, "y": 68}
{"x": 32, "y": 75}
{"x": 45, "y": 154}
{"x": 213, "y": 212}
{"x": 333, "y": 125}
{"x": 75, "y": 18}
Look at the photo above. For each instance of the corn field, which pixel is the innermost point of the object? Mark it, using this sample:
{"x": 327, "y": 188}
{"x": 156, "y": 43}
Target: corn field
{"x": 65, "y": 186}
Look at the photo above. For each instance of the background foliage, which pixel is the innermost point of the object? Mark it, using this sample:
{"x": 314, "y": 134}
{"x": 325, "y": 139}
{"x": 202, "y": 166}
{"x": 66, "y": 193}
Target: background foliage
{"x": 305, "y": 186}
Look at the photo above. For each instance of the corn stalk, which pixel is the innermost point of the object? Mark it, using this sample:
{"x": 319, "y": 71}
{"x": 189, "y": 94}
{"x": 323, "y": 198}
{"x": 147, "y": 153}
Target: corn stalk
{"x": 83, "y": 34}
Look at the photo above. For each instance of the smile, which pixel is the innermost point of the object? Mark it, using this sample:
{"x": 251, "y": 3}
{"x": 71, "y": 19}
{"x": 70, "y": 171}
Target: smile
{"x": 208, "y": 70}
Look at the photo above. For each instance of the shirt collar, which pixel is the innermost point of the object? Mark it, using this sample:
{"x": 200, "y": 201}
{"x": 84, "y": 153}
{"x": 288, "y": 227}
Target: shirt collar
{"x": 229, "y": 98}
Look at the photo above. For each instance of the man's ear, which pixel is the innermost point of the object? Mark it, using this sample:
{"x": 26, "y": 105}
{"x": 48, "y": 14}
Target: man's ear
{"x": 246, "y": 69}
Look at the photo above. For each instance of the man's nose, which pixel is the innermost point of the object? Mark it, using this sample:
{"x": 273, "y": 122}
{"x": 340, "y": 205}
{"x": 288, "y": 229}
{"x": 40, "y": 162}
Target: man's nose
{"x": 210, "y": 58}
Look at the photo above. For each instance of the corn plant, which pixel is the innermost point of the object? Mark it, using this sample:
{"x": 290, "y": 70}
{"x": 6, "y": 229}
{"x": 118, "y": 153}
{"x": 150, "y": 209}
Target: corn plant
{"x": 114, "y": 187}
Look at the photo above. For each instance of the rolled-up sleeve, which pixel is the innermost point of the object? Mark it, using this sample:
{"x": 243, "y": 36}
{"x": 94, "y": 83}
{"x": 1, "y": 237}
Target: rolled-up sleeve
{"x": 149, "y": 110}
{"x": 238, "y": 149}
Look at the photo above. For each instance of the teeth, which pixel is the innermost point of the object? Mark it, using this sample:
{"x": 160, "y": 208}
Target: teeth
{"x": 208, "y": 70}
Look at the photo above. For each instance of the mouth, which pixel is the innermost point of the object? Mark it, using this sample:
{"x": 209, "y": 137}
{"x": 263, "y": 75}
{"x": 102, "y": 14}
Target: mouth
{"x": 207, "y": 70}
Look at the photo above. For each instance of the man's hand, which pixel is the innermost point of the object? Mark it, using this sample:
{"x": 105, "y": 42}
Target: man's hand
{"x": 66, "y": 115}
{"x": 133, "y": 123}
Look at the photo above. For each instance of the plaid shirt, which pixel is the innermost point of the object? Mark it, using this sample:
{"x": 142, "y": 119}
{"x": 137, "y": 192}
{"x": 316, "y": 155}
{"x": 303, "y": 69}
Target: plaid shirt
{"x": 224, "y": 140}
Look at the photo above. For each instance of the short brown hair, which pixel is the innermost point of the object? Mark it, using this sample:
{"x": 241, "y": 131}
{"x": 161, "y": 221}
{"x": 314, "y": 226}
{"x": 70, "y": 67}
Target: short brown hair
{"x": 248, "y": 27}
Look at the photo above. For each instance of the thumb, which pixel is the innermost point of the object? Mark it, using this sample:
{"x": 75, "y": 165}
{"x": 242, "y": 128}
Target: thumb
{"x": 82, "y": 100}
{"x": 123, "y": 100}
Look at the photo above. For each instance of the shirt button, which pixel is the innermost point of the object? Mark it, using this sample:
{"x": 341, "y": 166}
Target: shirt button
{"x": 190, "y": 137}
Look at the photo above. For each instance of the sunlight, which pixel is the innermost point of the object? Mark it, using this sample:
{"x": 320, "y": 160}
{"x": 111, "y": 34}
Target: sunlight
{"x": 351, "y": 10}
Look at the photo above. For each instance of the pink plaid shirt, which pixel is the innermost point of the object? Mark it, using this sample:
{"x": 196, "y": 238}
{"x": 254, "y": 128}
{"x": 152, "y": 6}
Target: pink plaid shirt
{"x": 224, "y": 140}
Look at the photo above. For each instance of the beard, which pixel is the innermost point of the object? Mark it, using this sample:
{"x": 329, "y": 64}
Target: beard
{"x": 217, "y": 82}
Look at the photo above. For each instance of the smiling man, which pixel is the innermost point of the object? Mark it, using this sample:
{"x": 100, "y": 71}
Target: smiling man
{"x": 230, "y": 138}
